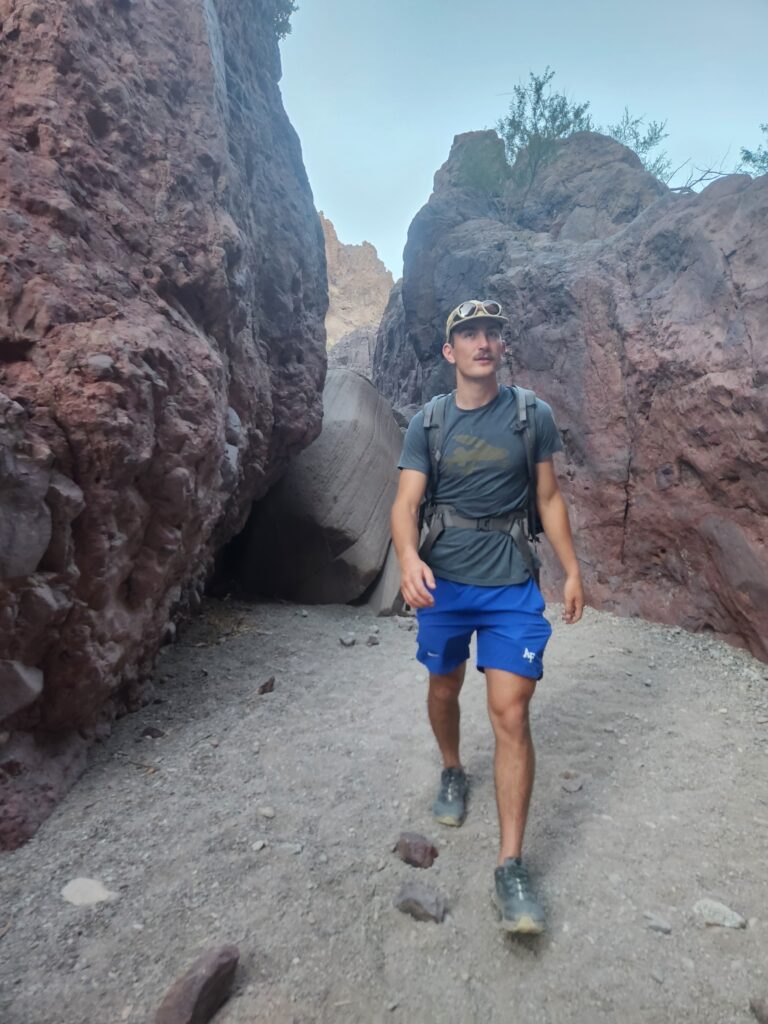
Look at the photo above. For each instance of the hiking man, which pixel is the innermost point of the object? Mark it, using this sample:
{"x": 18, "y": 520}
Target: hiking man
{"x": 476, "y": 573}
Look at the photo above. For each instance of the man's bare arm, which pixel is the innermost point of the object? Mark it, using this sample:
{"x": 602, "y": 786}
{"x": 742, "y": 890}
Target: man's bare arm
{"x": 554, "y": 519}
{"x": 416, "y": 577}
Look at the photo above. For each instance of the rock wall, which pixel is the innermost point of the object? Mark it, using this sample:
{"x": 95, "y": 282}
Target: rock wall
{"x": 355, "y": 351}
{"x": 641, "y": 316}
{"x": 358, "y": 285}
{"x": 162, "y": 345}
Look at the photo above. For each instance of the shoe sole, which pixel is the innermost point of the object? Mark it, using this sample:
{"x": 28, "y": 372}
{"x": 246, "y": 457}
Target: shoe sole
{"x": 448, "y": 819}
{"x": 523, "y": 925}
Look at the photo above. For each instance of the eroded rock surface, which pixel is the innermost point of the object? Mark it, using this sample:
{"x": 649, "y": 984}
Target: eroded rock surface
{"x": 358, "y": 286}
{"x": 322, "y": 533}
{"x": 162, "y": 346}
{"x": 641, "y": 316}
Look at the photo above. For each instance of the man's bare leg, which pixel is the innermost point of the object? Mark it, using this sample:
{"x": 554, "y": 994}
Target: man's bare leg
{"x": 445, "y": 713}
{"x": 509, "y": 696}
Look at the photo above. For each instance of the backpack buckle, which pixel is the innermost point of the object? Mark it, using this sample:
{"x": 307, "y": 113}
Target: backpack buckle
{"x": 484, "y": 524}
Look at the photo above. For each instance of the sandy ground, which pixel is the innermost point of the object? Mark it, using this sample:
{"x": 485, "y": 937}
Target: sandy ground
{"x": 669, "y": 733}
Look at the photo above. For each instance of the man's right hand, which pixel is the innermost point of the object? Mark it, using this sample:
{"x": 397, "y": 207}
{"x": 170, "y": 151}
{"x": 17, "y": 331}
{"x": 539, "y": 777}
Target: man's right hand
{"x": 416, "y": 581}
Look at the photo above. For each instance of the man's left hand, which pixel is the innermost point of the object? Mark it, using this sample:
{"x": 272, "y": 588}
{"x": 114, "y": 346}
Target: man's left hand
{"x": 573, "y": 599}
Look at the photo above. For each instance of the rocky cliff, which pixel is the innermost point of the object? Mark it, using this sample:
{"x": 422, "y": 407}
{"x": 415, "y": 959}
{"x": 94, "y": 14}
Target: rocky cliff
{"x": 358, "y": 286}
{"x": 641, "y": 316}
{"x": 162, "y": 345}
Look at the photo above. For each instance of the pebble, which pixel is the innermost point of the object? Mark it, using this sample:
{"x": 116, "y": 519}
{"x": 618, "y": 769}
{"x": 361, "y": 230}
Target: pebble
{"x": 759, "y": 1008}
{"x": 304, "y": 614}
{"x": 415, "y": 850}
{"x": 267, "y": 686}
{"x": 87, "y": 892}
{"x": 297, "y": 848}
{"x": 421, "y": 901}
{"x": 572, "y": 781}
{"x": 657, "y": 924}
{"x": 266, "y": 812}
{"x": 196, "y": 996}
{"x": 372, "y": 640}
{"x": 259, "y": 845}
{"x": 347, "y": 641}
{"x": 711, "y": 912}
{"x": 658, "y": 976}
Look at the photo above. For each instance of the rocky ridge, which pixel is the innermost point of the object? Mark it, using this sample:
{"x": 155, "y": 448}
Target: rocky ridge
{"x": 162, "y": 347}
{"x": 358, "y": 286}
{"x": 640, "y": 315}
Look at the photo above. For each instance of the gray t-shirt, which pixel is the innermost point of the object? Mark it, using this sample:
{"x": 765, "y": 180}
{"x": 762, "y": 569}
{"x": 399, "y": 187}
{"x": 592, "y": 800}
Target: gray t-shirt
{"x": 483, "y": 472}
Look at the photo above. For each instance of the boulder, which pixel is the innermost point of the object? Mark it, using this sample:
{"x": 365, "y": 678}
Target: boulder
{"x": 640, "y": 315}
{"x": 385, "y": 597}
{"x": 354, "y": 351}
{"x": 321, "y": 535}
{"x": 162, "y": 343}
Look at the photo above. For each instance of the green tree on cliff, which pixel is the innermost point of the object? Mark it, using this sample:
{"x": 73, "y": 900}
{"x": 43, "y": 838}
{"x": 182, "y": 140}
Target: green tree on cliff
{"x": 538, "y": 117}
{"x": 280, "y": 12}
{"x": 756, "y": 160}
{"x": 643, "y": 137}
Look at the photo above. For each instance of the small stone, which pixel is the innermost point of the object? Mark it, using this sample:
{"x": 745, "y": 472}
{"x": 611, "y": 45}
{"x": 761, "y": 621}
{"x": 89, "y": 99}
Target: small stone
{"x": 421, "y": 901}
{"x": 259, "y": 845}
{"x": 266, "y": 812}
{"x": 196, "y": 996}
{"x": 296, "y": 961}
{"x": 658, "y": 976}
{"x": 380, "y": 865}
{"x": 572, "y": 781}
{"x": 657, "y": 924}
{"x": 267, "y": 686}
{"x": 87, "y": 892}
{"x": 415, "y": 850}
{"x": 372, "y": 640}
{"x": 151, "y": 732}
{"x": 759, "y": 1008}
{"x": 711, "y": 912}
{"x": 347, "y": 641}
{"x": 466, "y": 977}
{"x": 304, "y": 613}
{"x": 297, "y": 848}
{"x": 323, "y": 858}
{"x": 392, "y": 1006}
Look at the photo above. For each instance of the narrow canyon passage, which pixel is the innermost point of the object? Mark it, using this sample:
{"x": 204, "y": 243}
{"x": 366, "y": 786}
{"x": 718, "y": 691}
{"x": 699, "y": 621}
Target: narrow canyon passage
{"x": 220, "y": 815}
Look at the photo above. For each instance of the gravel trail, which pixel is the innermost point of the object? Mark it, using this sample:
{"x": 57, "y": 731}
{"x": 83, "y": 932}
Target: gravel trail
{"x": 268, "y": 821}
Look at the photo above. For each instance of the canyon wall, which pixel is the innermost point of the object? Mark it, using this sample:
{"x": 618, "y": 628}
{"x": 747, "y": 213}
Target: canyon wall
{"x": 641, "y": 315}
{"x": 162, "y": 346}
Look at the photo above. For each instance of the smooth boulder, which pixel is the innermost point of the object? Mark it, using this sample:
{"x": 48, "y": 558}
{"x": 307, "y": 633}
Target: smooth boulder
{"x": 321, "y": 535}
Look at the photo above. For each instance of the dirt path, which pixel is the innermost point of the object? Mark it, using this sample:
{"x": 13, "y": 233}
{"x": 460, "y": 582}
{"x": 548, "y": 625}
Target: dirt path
{"x": 668, "y": 731}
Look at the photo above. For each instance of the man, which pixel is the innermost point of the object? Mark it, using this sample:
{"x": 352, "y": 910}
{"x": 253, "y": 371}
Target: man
{"x": 477, "y": 577}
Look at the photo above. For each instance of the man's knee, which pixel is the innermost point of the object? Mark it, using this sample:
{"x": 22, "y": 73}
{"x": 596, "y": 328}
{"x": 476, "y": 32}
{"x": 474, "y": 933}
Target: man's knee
{"x": 508, "y": 705}
{"x": 446, "y": 687}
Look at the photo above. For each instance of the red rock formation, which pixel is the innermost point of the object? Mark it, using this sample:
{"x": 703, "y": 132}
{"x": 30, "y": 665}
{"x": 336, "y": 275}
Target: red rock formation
{"x": 358, "y": 285}
{"x": 641, "y": 316}
{"x": 162, "y": 347}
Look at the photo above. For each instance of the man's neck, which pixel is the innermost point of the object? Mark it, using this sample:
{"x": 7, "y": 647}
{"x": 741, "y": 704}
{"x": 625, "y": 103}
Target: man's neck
{"x": 472, "y": 394}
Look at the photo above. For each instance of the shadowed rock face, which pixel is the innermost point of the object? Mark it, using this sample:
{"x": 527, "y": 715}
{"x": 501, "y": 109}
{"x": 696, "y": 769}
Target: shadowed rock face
{"x": 162, "y": 348}
{"x": 641, "y": 316}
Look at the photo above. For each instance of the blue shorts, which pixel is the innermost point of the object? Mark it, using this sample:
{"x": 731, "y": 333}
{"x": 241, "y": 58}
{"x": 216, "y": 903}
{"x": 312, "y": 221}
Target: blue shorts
{"x": 511, "y": 629}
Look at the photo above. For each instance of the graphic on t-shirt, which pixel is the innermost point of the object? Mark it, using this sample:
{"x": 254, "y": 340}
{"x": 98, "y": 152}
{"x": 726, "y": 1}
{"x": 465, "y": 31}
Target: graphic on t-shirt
{"x": 472, "y": 453}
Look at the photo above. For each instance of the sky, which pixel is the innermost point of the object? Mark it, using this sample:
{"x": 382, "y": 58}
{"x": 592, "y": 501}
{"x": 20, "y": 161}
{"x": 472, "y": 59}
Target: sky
{"x": 377, "y": 90}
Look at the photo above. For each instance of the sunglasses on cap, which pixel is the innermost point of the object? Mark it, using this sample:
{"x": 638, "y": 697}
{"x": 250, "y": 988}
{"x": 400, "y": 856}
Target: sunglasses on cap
{"x": 473, "y": 309}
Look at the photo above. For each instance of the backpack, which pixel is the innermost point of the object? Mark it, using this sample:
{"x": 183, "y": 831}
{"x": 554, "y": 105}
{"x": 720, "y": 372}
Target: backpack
{"x": 439, "y": 517}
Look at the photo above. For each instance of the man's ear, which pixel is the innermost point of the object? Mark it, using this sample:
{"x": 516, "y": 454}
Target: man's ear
{"x": 448, "y": 352}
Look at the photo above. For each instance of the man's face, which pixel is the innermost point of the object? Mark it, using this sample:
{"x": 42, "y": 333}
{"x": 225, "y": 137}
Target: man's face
{"x": 475, "y": 349}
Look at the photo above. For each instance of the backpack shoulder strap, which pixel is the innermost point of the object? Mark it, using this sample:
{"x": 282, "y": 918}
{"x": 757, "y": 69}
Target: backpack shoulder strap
{"x": 434, "y": 418}
{"x": 526, "y": 424}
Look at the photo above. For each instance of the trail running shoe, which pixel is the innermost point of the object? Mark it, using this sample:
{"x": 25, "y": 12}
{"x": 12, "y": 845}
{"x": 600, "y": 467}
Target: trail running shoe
{"x": 450, "y": 807}
{"x": 520, "y": 910}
